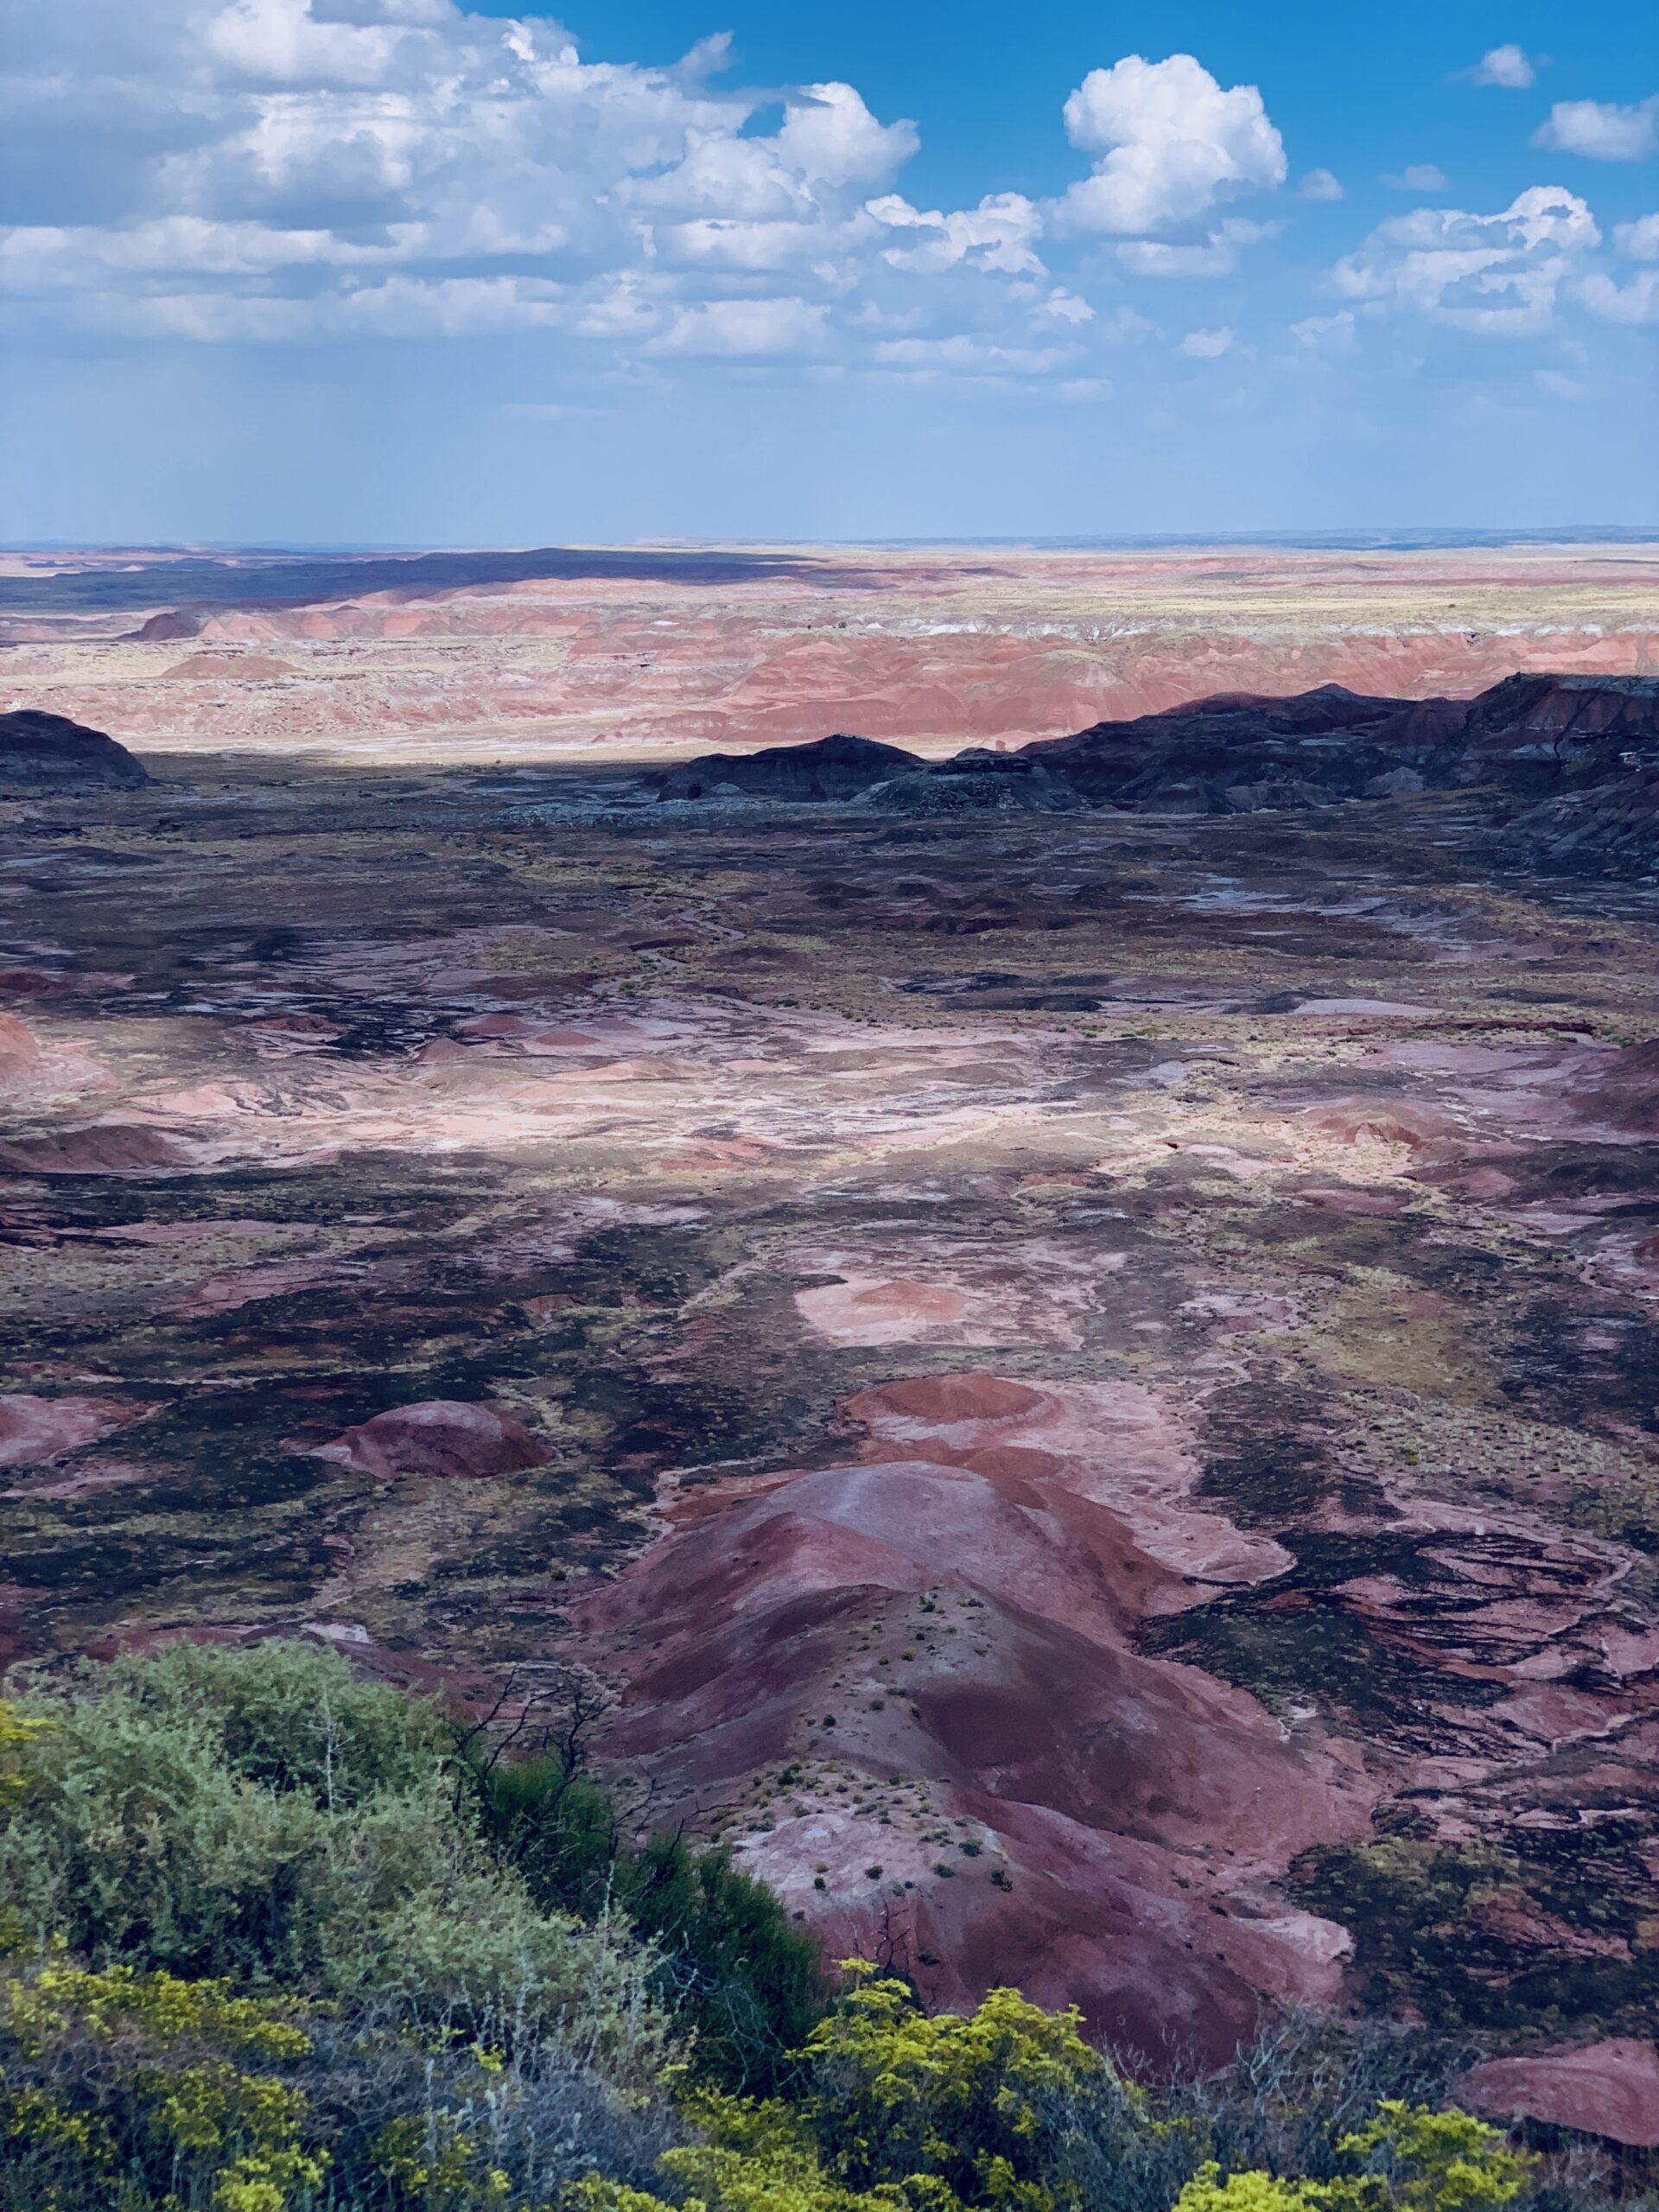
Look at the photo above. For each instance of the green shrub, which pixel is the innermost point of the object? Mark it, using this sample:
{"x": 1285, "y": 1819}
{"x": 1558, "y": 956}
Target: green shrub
{"x": 748, "y": 1983}
{"x": 265, "y": 1817}
{"x": 291, "y": 1717}
{"x": 1413, "y": 2160}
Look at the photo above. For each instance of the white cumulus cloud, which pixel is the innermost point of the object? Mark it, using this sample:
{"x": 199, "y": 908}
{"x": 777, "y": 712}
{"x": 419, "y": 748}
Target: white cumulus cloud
{"x": 266, "y": 169}
{"x": 1637, "y": 302}
{"x": 1507, "y": 66}
{"x": 963, "y": 351}
{"x": 1325, "y": 333}
{"x": 1498, "y": 275}
{"x": 1066, "y": 307}
{"x": 997, "y": 234}
{"x": 1168, "y": 144}
{"x": 1601, "y": 129}
{"x": 285, "y": 43}
{"x": 244, "y": 172}
{"x": 830, "y": 136}
{"x": 1421, "y": 177}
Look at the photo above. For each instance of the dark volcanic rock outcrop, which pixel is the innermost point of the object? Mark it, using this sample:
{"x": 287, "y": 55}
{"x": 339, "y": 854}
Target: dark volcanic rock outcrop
{"x": 48, "y": 752}
{"x": 1588, "y": 752}
{"x": 830, "y": 768}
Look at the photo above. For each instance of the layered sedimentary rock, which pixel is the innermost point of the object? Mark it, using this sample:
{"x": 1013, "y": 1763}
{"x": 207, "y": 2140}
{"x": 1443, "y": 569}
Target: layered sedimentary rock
{"x": 956, "y": 1606}
{"x": 1230, "y": 754}
{"x": 48, "y": 752}
{"x": 1610, "y": 828}
{"x": 652, "y": 652}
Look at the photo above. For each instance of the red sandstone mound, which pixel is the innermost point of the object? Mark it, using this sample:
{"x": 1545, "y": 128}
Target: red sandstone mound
{"x": 50, "y": 753}
{"x": 21, "y": 1056}
{"x": 959, "y": 1604}
{"x": 1383, "y": 1121}
{"x": 106, "y": 1148}
{"x": 173, "y": 622}
{"x": 31, "y": 1068}
{"x": 1608, "y": 2088}
{"x": 33, "y": 1429}
{"x": 231, "y": 668}
{"x": 442, "y": 1437}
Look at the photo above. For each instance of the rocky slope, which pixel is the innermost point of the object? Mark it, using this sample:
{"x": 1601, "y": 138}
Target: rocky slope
{"x": 1528, "y": 734}
{"x": 1610, "y": 827}
{"x": 47, "y": 753}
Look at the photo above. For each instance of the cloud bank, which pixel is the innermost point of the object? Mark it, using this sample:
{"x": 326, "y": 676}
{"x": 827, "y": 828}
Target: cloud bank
{"x": 291, "y": 172}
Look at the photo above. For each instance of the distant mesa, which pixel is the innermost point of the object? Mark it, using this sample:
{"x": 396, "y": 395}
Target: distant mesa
{"x": 1581, "y": 753}
{"x": 1567, "y": 714}
{"x": 42, "y": 752}
{"x": 840, "y": 766}
{"x": 885, "y": 777}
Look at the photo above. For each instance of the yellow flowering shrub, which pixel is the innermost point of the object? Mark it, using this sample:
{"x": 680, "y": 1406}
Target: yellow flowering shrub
{"x": 150, "y": 2078}
{"x": 974, "y": 2102}
{"x": 1420, "y": 2161}
{"x": 17, "y": 1730}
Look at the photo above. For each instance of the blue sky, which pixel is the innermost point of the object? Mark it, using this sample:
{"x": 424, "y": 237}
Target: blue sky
{"x": 412, "y": 272}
